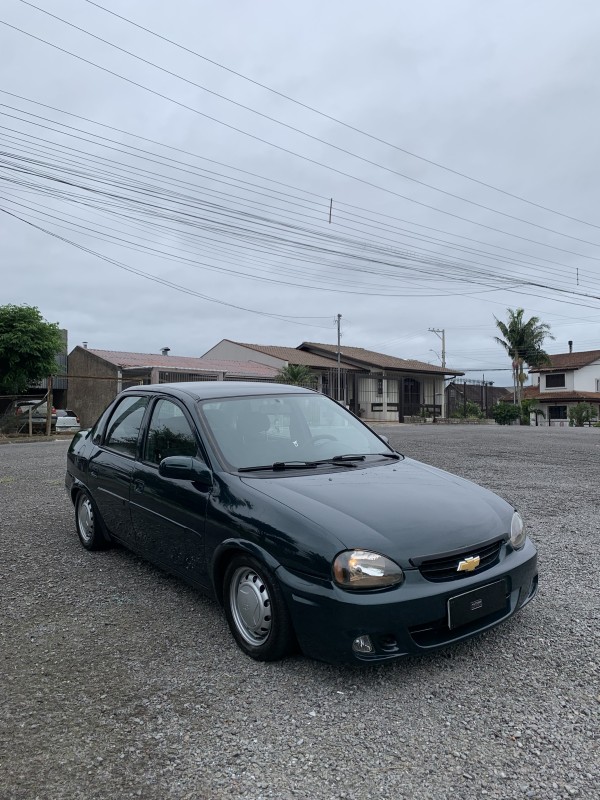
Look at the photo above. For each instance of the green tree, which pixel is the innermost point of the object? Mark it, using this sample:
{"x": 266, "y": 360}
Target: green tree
{"x": 28, "y": 347}
{"x": 581, "y": 414}
{"x": 296, "y": 375}
{"x": 524, "y": 343}
{"x": 505, "y": 413}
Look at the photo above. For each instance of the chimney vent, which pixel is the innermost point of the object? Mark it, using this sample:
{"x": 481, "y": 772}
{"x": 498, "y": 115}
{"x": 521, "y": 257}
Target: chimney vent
{"x": 164, "y": 351}
{"x": 84, "y": 345}
{"x": 570, "y": 345}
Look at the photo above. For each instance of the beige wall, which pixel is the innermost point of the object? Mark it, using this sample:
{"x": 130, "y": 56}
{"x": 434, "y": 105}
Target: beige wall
{"x": 90, "y": 389}
{"x": 231, "y": 351}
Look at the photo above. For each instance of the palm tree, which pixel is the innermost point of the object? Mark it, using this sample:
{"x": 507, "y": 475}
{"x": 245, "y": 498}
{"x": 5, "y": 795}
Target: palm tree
{"x": 523, "y": 341}
{"x": 296, "y": 375}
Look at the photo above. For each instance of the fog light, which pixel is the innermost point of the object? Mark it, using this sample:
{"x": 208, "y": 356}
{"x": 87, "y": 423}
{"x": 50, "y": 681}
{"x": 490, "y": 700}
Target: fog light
{"x": 363, "y": 644}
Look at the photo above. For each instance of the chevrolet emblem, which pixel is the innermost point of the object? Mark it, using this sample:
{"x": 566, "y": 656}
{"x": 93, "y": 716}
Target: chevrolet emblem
{"x": 468, "y": 564}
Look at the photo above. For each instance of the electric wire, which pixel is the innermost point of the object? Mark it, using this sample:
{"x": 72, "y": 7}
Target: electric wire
{"x": 305, "y": 133}
{"x": 338, "y": 121}
{"x": 301, "y": 156}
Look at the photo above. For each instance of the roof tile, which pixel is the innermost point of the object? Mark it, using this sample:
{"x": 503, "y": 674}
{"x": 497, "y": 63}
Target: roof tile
{"x": 121, "y": 358}
{"x": 570, "y": 361}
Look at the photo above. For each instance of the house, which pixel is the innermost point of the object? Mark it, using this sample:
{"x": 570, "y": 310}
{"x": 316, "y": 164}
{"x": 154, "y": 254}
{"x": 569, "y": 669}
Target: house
{"x": 97, "y": 376}
{"x": 570, "y": 378}
{"x": 374, "y": 385}
{"x": 323, "y": 368}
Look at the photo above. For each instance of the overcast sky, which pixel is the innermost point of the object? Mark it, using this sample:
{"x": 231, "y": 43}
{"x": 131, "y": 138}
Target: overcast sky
{"x": 506, "y": 93}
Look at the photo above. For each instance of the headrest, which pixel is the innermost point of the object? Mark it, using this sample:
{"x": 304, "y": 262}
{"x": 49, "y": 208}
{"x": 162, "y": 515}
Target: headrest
{"x": 250, "y": 423}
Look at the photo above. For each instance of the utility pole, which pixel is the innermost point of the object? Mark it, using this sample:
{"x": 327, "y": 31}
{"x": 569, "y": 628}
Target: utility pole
{"x": 339, "y": 376}
{"x": 441, "y": 334}
{"x": 49, "y": 403}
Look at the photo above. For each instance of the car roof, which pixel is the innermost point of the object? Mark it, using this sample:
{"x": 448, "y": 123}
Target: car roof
{"x": 206, "y": 390}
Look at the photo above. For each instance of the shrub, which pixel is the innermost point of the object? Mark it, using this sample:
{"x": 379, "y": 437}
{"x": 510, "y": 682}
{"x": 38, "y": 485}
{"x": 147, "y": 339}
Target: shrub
{"x": 505, "y": 413}
{"x": 580, "y": 415}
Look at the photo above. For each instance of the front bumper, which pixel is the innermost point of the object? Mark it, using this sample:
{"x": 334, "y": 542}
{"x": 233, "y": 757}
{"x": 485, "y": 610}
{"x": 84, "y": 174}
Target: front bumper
{"x": 408, "y": 619}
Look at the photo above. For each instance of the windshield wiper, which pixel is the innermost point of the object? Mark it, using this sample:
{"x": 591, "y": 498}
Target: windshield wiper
{"x": 281, "y": 465}
{"x": 346, "y": 460}
{"x": 350, "y": 457}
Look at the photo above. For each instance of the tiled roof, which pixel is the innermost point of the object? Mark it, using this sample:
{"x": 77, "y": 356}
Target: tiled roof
{"x": 294, "y": 356}
{"x": 570, "y": 361}
{"x": 122, "y": 358}
{"x": 571, "y": 396}
{"x": 371, "y": 358}
{"x": 566, "y": 395}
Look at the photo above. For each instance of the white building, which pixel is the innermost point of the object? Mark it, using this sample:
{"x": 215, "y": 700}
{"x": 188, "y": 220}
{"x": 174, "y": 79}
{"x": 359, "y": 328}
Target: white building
{"x": 569, "y": 379}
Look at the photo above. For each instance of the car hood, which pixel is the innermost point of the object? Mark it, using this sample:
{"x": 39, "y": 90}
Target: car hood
{"x": 403, "y": 510}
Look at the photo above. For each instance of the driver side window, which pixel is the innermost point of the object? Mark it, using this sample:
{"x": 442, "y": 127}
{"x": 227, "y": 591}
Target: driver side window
{"x": 124, "y": 425}
{"x": 169, "y": 434}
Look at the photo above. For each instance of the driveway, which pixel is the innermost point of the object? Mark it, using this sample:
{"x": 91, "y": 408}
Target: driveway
{"x": 121, "y": 682}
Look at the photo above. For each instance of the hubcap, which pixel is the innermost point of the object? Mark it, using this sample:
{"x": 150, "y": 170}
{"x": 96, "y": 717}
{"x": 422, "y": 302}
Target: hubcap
{"x": 250, "y": 606}
{"x": 85, "y": 519}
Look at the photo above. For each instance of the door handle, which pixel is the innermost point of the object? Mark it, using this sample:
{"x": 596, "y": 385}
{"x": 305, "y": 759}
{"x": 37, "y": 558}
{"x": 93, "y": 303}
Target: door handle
{"x": 138, "y": 486}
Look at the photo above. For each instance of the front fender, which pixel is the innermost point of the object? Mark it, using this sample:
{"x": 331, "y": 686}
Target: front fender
{"x": 225, "y": 551}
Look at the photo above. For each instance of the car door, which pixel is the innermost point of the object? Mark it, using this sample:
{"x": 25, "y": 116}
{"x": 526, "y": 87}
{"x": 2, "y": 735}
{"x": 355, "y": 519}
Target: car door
{"x": 110, "y": 469}
{"x": 169, "y": 514}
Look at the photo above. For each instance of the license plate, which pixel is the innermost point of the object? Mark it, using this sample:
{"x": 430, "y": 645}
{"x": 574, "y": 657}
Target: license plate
{"x": 467, "y": 607}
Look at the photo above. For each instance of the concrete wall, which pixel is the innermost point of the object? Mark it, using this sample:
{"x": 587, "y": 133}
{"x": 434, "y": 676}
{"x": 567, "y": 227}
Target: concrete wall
{"x": 586, "y": 377}
{"x": 92, "y": 385}
{"x": 231, "y": 351}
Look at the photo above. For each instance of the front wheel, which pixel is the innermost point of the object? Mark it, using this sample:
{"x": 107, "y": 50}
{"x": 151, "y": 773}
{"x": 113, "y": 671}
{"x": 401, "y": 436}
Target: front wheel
{"x": 256, "y": 611}
{"x": 89, "y": 523}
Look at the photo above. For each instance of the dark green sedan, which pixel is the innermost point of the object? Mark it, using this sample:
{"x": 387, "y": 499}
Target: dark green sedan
{"x": 303, "y": 523}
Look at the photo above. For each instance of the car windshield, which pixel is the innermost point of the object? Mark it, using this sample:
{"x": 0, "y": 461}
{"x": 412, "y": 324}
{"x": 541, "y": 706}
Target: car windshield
{"x": 282, "y": 429}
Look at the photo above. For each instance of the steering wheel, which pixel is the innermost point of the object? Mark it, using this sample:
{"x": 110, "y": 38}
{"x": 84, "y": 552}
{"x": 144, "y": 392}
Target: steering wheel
{"x": 325, "y": 436}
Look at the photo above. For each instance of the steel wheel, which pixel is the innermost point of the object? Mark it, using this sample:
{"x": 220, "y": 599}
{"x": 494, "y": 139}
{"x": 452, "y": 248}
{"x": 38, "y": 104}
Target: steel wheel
{"x": 256, "y": 610}
{"x": 250, "y": 606}
{"x": 85, "y": 519}
{"x": 90, "y": 528}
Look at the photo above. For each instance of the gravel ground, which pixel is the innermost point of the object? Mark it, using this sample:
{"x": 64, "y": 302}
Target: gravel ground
{"x": 119, "y": 681}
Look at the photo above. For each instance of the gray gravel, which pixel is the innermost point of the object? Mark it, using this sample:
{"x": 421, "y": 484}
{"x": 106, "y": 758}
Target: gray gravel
{"x": 119, "y": 682}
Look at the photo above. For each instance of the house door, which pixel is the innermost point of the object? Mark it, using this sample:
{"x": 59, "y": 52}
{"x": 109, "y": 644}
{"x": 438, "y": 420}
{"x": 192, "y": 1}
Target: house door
{"x": 412, "y": 397}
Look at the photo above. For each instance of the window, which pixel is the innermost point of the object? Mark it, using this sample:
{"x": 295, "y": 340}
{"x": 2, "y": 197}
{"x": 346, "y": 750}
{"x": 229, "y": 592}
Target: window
{"x": 169, "y": 434}
{"x": 557, "y": 412}
{"x": 124, "y": 425}
{"x": 263, "y": 429}
{"x": 379, "y": 387}
{"x": 556, "y": 381}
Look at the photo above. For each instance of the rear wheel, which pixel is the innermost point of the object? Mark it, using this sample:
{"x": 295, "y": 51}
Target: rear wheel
{"x": 90, "y": 528}
{"x": 256, "y": 611}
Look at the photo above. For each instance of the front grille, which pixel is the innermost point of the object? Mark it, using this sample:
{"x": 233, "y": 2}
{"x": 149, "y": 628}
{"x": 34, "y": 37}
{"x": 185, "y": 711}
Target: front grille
{"x": 445, "y": 568}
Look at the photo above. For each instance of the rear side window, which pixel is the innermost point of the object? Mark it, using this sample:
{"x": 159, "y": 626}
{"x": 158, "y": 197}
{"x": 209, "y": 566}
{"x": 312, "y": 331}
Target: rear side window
{"x": 169, "y": 434}
{"x": 124, "y": 425}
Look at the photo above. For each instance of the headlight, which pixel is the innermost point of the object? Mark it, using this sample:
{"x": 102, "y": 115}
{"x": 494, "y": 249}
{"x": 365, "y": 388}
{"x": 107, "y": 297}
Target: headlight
{"x": 361, "y": 569}
{"x": 517, "y": 531}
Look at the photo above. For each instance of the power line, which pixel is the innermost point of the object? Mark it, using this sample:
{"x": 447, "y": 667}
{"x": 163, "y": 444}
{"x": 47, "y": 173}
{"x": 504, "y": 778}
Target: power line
{"x": 338, "y": 121}
{"x": 156, "y": 279}
{"x": 470, "y": 277}
{"x": 300, "y": 131}
{"x": 273, "y": 181}
{"x": 299, "y": 155}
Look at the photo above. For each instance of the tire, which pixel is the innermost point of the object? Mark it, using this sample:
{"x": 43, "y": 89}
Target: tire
{"x": 90, "y": 527}
{"x": 256, "y": 611}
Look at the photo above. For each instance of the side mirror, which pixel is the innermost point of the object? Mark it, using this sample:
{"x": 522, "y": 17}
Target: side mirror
{"x": 383, "y": 438}
{"x": 185, "y": 468}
